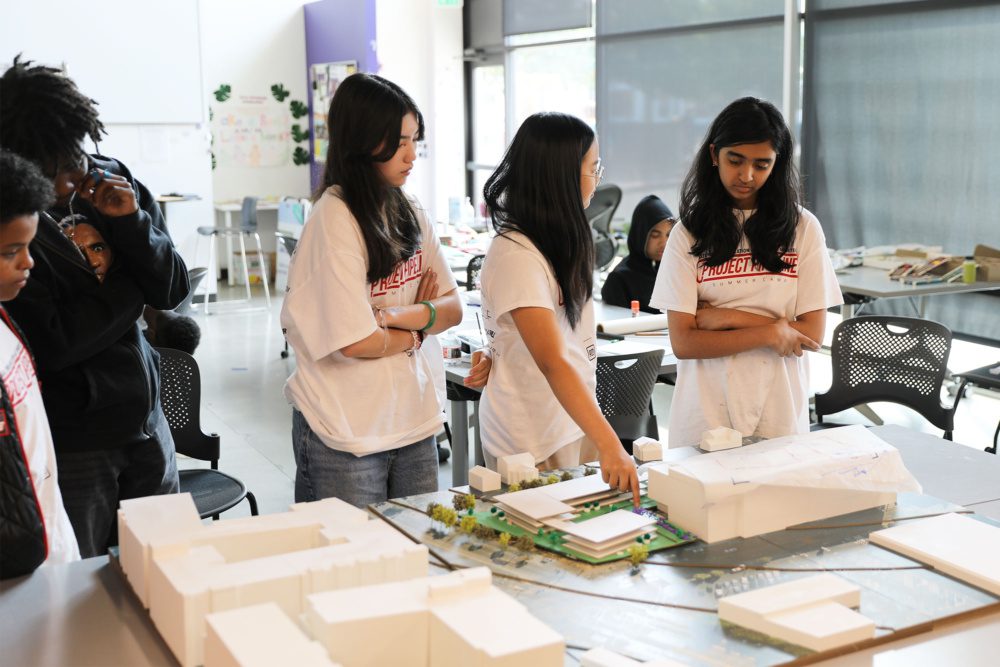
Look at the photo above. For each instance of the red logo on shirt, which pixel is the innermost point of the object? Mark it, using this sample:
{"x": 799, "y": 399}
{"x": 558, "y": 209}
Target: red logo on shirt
{"x": 406, "y": 271}
{"x": 20, "y": 378}
{"x": 741, "y": 265}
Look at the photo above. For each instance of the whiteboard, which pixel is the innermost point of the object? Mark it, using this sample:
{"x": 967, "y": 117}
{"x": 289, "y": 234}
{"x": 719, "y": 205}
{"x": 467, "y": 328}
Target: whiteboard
{"x": 141, "y": 59}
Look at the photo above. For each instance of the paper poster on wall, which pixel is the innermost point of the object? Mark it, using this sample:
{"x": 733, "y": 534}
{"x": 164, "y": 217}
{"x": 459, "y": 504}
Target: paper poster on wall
{"x": 324, "y": 78}
{"x": 254, "y": 132}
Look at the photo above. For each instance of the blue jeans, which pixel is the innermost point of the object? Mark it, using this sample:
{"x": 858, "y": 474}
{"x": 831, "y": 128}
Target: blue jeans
{"x": 93, "y": 482}
{"x": 323, "y": 472}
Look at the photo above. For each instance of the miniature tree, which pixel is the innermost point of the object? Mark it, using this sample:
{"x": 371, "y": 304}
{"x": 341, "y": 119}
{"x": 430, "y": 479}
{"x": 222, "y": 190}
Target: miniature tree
{"x": 468, "y": 524}
{"x": 513, "y": 487}
{"x": 566, "y": 476}
{"x": 552, "y": 479}
{"x": 431, "y": 507}
{"x": 504, "y": 540}
{"x": 637, "y": 553}
{"x": 449, "y": 517}
{"x": 587, "y": 472}
{"x": 464, "y": 502}
{"x": 484, "y": 532}
{"x": 532, "y": 483}
{"x": 524, "y": 543}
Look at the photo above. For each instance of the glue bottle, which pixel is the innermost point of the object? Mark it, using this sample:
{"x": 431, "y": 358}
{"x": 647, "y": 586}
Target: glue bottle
{"x": 635, "y": 308}
{"x": 969, "y": 270}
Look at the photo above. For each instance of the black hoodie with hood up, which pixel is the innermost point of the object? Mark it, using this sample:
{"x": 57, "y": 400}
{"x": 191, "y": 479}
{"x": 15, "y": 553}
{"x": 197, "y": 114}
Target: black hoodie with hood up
{"x": 634, "y": 276}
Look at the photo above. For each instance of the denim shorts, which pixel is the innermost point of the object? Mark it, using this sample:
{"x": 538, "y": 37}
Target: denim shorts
{"x": 323, "y": 472}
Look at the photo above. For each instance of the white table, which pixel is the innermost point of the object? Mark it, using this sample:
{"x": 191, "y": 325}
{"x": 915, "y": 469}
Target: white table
{"x": 872, "y": 283}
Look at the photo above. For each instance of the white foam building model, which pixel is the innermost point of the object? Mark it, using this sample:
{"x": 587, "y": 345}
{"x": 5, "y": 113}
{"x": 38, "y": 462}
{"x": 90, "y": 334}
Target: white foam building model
{"x": 260, "y": 635}
{"x": 647, "y": 449}
{"x": 517, "y": 468}
{"x": 602, "y": 657}
{"x": 816, "y": 612}
{"x": 717, "y": 439}
{"x": 183, "y": 570}
{"x": 957, "y": 545}
{"x": 778, "y": 483}
{"x": 484, "y": 479}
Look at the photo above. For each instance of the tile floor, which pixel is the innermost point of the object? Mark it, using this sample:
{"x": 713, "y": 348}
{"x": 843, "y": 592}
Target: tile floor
{"x": 243, "y": 375}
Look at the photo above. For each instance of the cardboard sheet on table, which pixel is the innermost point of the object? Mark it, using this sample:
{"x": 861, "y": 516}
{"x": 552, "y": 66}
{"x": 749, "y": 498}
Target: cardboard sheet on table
{"x": 850, "y": 457}
{"x": 631, "y": 325}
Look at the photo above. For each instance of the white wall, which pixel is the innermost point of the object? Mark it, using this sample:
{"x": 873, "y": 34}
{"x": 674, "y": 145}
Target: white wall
{"x": 419, "y": 47}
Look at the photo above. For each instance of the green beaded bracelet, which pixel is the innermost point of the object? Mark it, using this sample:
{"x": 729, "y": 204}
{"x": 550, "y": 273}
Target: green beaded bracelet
{"x": 432, "y": 318}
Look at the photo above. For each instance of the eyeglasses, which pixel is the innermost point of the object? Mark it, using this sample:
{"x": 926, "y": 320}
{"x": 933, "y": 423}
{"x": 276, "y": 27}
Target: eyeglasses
{"x": 598, "y": 174}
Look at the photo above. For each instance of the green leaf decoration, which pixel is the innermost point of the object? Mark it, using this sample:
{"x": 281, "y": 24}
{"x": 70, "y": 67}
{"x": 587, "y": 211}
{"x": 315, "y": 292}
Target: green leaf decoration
{"x": 213, "y": 160}
{"x": 298, "y": 109}
{"x": 298, "y": 134}
{"x": 300, "y": 156}
{"x": 222, "y": 92}
{"x": 279, "y": 92}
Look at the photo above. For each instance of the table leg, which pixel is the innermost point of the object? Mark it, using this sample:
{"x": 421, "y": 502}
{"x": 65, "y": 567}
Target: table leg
{"x": 865, "y": 410}
{"x": 230, "y": 278}
{"x": 846, "y": 311}
{"x": 459, "y": 443}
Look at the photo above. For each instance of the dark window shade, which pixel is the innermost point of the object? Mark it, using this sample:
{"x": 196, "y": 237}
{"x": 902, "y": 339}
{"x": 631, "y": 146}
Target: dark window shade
{"x": 621, "y": 16}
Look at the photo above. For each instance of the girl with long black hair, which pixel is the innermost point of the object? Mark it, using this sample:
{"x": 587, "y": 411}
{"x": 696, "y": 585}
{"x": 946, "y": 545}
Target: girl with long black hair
{"x": 537, "y": 284}
{"x": 367, "y": 282}
{"x": 745, "y": 281}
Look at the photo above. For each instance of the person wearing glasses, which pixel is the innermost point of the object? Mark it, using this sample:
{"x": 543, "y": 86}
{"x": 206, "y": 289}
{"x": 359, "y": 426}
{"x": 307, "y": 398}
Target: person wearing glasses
{"x": 745, "y": 281}
{"x": 99, "y": 376}
{"x": 537, "y": 287}
{"x": 633, "y": 278}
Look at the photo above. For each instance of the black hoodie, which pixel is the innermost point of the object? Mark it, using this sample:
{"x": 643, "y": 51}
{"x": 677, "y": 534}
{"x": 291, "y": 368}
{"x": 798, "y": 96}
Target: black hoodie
{"x": 634, "y": 276}
{"x": 99, "y": 376}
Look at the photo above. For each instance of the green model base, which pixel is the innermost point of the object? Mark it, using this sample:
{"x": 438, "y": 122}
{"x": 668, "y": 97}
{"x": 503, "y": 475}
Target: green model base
{"x": 665, "y": 536}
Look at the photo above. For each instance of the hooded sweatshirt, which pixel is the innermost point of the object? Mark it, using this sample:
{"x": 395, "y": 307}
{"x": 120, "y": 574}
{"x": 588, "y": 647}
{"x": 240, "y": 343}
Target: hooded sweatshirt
{"x": 634, "y": 276}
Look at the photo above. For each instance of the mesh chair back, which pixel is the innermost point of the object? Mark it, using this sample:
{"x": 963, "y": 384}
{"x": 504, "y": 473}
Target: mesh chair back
{"x": 884, "y": 358}
{"x": 603, "y": 206}
{"x": 625, "y": 382}
{"x": 180, "y": 395}
{"x": 472, "y": 271}
{"x": 248, "y": 216}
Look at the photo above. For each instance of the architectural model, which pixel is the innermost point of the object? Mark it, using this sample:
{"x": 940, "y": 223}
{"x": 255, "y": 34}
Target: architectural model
{"x": 778, "y": 483}
{"x": 647, "y": 449}
{"x": 183, "y": 570}
{"x": 957, "y": 545}
{"x": 815, "y": 612}
{"x": 601, "y": 657}
{"x": 453, "y": 620}
{"x": 517, "y": 468}
{"x": 484, "y": 479}
{"x": 720, "y": 438}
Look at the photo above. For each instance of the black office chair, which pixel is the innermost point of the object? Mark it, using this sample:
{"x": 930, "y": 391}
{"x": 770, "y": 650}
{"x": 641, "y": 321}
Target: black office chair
{"x": 248, "y": 227}
{"x": 624, "y": 392}
{"x": 886, "y": 358}
{"x": 213, "y": 491}
{"x": 602, "y": 209}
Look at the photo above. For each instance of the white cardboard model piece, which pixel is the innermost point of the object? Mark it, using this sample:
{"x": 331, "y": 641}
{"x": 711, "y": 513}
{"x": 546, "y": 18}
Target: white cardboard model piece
{"x": 484, "y": 479}
{"x": 602, "y": 657}
{"x": 505, "y": 463}
{"x": 647, "y": 449}
{"x": 778, "y": 483}
{"x": 517, "y": 474}
{"x": 814, "y": 612}
{"x": 718, "y": 439}
{"x": 260, "y": 636}
{"x": 454, "y": 620}
{"x": 191, "y": 569}
{"x": 957, "y": 545}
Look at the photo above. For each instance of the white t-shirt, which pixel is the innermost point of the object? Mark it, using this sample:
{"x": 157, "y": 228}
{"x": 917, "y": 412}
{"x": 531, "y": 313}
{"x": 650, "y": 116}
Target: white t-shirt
{"x": 18, "y": 375}
{"x": 755, "y": 392}
{"x": 518, "y": 411}
{"x": 361, "y": 406}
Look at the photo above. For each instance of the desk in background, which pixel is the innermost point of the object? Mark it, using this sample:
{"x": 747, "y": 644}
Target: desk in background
{"x": 867, "y": 283}
{"x": 171, "y": 198}
{"x": 227, "y": 209}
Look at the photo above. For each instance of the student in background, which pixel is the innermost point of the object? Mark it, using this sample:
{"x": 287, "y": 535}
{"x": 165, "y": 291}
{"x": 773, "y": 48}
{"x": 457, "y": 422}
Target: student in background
{"x": 745, "y": 281}
{"x": 99, "y": 377}
{"x": 166, "y": 328}
{"x": 537, "y": 284}
{"x": 633, "y": 278}
{"x": 367, "y": 282}
{"x": 34, "y": 527}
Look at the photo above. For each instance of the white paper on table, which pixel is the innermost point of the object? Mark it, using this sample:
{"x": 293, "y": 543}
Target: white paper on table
{"x": 630, "y": 325}
{"x": 849, "y": 457}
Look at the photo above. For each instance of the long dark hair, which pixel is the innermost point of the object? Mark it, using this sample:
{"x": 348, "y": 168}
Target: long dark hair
{"x": 365, "y": 121}
{"x": 535, "y": 190}
{"x": 706, "y": 208}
